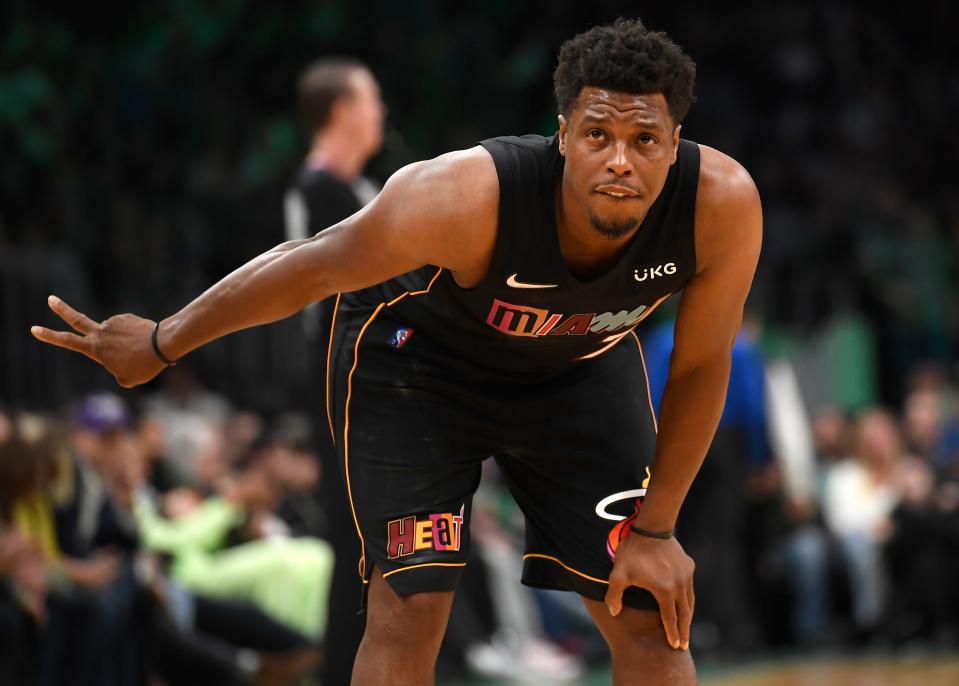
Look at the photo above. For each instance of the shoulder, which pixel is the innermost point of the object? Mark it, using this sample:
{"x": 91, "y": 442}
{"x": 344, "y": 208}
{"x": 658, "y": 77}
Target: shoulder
{"x": 448, "y": 205}
{"x": 728, "y": 208}
{"x": 461, "y": 172}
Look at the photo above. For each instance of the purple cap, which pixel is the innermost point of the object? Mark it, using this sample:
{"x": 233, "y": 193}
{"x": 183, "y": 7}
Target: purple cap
{"x": 102, "y": 412}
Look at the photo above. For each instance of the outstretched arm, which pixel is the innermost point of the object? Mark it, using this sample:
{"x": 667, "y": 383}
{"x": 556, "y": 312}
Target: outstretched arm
{"x": 728, "y": 237}
{"x": 440, "y": 212}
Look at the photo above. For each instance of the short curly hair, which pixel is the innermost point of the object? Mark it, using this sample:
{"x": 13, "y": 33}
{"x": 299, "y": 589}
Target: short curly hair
{"x": 625, "y": 56}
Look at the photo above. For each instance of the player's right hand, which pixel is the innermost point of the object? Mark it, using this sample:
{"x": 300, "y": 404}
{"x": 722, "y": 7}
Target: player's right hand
{"x": 121, "y": 343}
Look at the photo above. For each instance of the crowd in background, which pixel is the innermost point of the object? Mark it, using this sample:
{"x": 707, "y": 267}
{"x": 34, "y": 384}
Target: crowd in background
{"x": 131, "y": 551}
{"x": 147, "y": 152}
{"x": 194, "y": 531}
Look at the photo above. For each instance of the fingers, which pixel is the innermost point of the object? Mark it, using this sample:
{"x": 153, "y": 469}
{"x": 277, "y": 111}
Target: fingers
{"x": 684, "y": 617}
{"x": 64, "y": 339}
{"x": 614, "y": 596}
{"x": 691, "y": 598}
{"x": 667, "y": 610}
{"x": 79, "y": 321}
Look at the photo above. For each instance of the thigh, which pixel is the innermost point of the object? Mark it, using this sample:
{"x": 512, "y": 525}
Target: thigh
{"x": 410, "y": 440}
{"x": 586, "y": 454}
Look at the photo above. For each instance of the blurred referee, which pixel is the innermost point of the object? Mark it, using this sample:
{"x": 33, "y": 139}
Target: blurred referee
{"x": 339, "y": 100}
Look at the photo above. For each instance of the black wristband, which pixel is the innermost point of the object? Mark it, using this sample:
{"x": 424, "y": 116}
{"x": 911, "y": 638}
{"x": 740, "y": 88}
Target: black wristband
{"x": 156, "y": 347}
{"x": 661, "y": 535}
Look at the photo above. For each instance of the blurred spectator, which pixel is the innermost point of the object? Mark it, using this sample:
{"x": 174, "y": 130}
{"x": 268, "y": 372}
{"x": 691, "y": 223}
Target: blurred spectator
{"x": 931, "y": 432}
{"x": 802, "y": 542}
{"x": 860, "y": 494}
{"x": 287, "y": 458}
{"x": 18, "y": 611}
{"x": 22, "y": 584}
{"x": 195, "y": 532}
{"x": 160, "y": 472}
{"x": 197, "y": 638}
{"x": 193, "y": 421}
{"x": 88, "y": 594}
{"x": 714, "y": 521}
{"x": 922, "y": 555}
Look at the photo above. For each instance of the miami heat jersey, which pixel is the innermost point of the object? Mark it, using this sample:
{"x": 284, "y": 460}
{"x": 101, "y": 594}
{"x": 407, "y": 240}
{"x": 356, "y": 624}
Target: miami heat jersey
{"x": 530, "y": 315}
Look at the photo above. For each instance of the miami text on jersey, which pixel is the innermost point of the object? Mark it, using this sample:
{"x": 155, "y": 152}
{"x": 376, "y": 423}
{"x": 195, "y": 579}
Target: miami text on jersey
{"x": 520, "y": 320}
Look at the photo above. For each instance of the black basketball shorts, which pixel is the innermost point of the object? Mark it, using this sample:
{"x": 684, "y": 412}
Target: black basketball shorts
{"x": 413, "y": 424}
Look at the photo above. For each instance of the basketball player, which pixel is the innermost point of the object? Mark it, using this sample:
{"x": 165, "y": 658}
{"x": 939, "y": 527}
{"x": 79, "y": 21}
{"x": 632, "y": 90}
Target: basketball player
{"x": 487, "y": 304}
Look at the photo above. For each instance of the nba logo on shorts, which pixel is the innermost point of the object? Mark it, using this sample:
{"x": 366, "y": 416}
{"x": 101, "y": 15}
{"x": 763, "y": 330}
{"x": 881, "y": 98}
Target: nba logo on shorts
{"x": 402, "y": 335}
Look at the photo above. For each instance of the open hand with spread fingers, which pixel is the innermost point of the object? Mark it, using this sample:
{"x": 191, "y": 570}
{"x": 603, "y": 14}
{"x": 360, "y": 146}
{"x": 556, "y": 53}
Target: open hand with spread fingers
{"x": 122, "y": 343}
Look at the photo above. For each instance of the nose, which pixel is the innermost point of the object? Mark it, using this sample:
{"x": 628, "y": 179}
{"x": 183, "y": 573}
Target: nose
{"x": 619, "y": 164}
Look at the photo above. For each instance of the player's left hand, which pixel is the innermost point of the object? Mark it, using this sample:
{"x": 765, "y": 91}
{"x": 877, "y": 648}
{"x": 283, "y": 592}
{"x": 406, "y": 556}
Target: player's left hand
{"x": 664, "y": 569}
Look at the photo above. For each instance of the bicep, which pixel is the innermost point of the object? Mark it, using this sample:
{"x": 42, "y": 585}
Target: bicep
{"x": 432, "y": 212}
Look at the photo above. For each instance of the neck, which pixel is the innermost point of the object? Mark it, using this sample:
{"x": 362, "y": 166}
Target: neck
{"x": 586, "y": 252}
{"x": 335, "y": 152}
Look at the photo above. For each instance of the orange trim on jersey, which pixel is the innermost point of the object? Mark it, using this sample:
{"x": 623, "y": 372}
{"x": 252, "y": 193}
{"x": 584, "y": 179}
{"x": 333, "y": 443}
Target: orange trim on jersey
{"x": 425, "y": 564}
{"x": 649, "y": 393}
{"x": 565, "y": 566}
{"x": 329, "y": 354}
{"x": 346, "y": 437}
{"x": 424, "y": 291}
{"x": 346, "y": 412}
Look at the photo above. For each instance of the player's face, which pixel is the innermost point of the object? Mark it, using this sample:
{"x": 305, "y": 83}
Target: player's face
{"x": 366, "y": 111}
{"x": 618, "y": 148}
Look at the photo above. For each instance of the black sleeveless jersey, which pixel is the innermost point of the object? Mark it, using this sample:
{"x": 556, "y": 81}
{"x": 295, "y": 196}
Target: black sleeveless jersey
{"x": 530, "y": 316}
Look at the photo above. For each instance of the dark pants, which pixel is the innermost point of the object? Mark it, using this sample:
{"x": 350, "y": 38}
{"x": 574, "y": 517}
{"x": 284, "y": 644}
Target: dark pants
{"x": 16, "y": 649}
{"x": 245, "y": 626}
{"x": 208, "y": 655}
{"x": 91, "y": 637}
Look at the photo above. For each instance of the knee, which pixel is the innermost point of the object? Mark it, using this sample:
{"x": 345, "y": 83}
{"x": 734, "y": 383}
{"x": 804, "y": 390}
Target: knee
{"x": 412, "y": 624}
{"x": 641, "y": 654}
{"x": 639, "y": 634}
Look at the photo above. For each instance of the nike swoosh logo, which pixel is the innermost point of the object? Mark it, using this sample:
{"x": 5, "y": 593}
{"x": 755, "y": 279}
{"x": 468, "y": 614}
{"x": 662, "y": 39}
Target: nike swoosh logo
{"x": 513, "y": 283}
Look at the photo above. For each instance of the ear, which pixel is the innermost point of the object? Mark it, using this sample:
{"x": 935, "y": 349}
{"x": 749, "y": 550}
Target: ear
{"x": 563, "y": 129}
{"x": 340, "y": 110}
{"x": 676, "y": 142}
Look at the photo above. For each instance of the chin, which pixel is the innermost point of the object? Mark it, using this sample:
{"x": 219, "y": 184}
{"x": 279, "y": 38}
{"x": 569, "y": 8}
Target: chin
{"x": 613, "y": 228}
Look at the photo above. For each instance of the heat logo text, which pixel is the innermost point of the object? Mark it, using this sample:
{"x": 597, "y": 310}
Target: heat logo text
{"x": 440, "y": 532}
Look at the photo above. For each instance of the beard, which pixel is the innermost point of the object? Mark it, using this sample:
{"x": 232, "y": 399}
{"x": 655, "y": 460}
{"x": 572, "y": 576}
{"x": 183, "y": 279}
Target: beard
{"x": 613, "y": 229}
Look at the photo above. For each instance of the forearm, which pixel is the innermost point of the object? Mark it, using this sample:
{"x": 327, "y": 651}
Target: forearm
{"x": 270, "y": 287}
{"x": 691, "y": 407}
{"x": 204, "y": 529}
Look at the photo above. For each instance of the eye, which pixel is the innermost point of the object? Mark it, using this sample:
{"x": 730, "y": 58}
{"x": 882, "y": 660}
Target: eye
{"x": 594, "y": 134}
{"x": 646, "y": 139}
